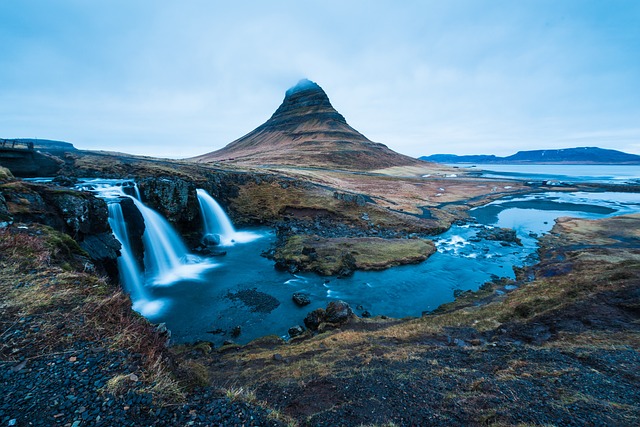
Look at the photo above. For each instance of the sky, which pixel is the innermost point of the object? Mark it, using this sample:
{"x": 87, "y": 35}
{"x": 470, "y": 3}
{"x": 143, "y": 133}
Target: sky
{"x": 178, "y": 79}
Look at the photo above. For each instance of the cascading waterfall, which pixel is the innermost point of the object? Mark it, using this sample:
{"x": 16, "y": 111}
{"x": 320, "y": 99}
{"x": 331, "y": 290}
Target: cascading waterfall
{"x": 217, "y": 223}
{"x": 130, "y": 274}
{"x": 166, "y": 258}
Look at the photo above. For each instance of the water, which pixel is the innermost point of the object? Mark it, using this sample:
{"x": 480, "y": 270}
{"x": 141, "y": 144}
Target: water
{"x": 166, "y": 257}
{"x": 205, "y": 311}
{"x": 130, "y": 275}
{"x": 610, "y": 174}
{"x": 206, "y": 305}
{"x": 217, "y": 223}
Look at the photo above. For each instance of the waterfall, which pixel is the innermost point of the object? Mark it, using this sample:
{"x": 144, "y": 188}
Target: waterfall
{"x": 166, "y": 257}
{"x": 217, "y": 223}
{"x": 130, "y": 274}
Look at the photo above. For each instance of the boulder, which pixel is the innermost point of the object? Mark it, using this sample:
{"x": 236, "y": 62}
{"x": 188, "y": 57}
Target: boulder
{"x": 211, "y": 240}
{"x": 301, "y": 299}
{"x": 314, "y": 319}
{"x": 296, "y": 331}
{"x": 338, "y": 312}
{"x": 505, "y": 235}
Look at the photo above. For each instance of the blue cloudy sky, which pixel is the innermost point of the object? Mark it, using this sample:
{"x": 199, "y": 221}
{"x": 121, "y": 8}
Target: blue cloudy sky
{"x": 181, "y": 78}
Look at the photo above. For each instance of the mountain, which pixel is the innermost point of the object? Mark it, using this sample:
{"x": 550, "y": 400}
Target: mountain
{"x": 307, "y": 131}
{"x": 580, "y": 155}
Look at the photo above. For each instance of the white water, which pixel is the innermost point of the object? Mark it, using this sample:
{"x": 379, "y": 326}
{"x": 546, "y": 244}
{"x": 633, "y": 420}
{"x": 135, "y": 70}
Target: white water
{"x": 217, "y": 223}
{"x": 166, "y": 257}
{"x": 130, "y": 274}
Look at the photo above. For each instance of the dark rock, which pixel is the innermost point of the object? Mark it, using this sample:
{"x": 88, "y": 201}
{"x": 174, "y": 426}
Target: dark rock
{"x": 65, "y": 181}
{"x": 314, "y": 319}
{"x": 278, "y": 357}
{"x": 338, "y": 312}
{"x": 30, "y": 163}
{"x": 175, "y": 199}
{"x": 301, "y": 299}
{"x": 211, "y": 240}
{"x": 236, "y": 331}
{"x": 348, "y": 265}
{"x": 504, "y": 235}
{"x": 355, "y": 199}
{"x": 256, "y": 300}
{"x": 366, "y": 314}
{"x": 296, "y": 331}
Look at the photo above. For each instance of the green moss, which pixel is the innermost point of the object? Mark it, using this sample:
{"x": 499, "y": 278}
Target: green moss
{"x": 330, "y": 256}
{"x": 5, "y": 174}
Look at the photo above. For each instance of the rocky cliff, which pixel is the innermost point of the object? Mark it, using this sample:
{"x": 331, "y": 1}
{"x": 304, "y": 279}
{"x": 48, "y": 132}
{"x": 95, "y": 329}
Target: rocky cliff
{"x": 307, "y": 131}
{"x": 77, "y": 214}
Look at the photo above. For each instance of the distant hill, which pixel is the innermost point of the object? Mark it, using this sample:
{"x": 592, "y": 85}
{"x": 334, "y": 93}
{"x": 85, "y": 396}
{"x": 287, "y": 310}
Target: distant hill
{"x": 48, "y": 144}
{"x": 307, "y": 131}
{"x": 580, "y": 155}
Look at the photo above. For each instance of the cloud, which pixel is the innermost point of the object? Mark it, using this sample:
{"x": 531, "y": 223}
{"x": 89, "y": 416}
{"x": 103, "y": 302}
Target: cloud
{"x": 421, "y": 77}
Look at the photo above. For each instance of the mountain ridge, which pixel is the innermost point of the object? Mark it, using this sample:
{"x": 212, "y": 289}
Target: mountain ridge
{"x": 578, "y": 155}
{"x": 306, "y": 130}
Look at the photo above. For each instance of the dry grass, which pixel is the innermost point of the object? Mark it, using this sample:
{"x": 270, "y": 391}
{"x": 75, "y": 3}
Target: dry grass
{"x": 327, "y": 257}
{"x": 42, "y": 276}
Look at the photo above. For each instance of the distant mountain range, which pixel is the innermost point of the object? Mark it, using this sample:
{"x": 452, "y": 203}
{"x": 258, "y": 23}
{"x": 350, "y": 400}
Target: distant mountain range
{"x": 580, "y": 155}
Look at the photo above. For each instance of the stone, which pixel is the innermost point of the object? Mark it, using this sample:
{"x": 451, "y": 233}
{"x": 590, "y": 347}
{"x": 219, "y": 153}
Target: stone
{"x": 236, "y": 331}
{"x": 301, "y": 299}
{"x": 348, "y": 264}
{"x": 211, "y": 240}
{"x": 366, "y": 314}
{"x": 338, "y": 312}
{"x": 296, "y": 331}
{"x": 314, "y": 319}
{"x": 65, "y": 181}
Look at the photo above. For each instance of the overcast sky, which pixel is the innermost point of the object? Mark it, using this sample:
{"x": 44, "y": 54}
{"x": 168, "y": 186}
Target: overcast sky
{"x": 181, "y": 78}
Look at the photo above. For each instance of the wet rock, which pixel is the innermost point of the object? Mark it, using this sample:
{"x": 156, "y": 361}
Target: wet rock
{"x": 103, "y": 247}
{"x": 301, "y": 299}
{"x": 5, "y": 217}
{"x": 175, "y": 199}
{"x": 236, "y": 331}
{"x": 211, "y": 240}
{"x": 65, "y": 181}
{"x": 348, "y": 265}
{"x": 296, "y": 331}
{"x": 366, "y": 314}
{"x": 256, "y": 300}
{"x": 314, "y": 319}
{"x": 504, "y": 235}
{"x": 338, "y": 312}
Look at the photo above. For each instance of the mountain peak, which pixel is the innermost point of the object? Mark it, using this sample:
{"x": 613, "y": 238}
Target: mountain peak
{"x": 306, "y": 130}
{"x": 304, "y": 85}
{"x": 305, "y": 100}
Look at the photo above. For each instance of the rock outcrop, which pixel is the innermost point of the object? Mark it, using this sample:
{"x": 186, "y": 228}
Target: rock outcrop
{"x": 307, "y": 130}
{"x": 336, "y": 314}
{"x": 81, "y": 215}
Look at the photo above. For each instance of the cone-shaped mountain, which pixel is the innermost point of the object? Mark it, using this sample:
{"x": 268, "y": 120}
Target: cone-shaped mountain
{"x": 307, "y": 131}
